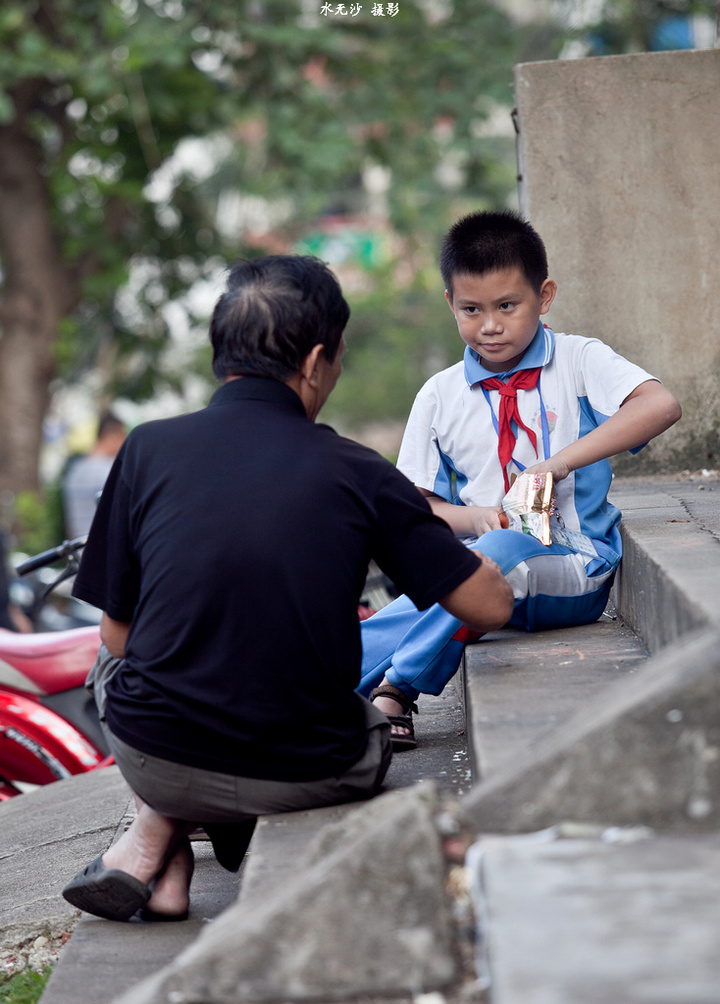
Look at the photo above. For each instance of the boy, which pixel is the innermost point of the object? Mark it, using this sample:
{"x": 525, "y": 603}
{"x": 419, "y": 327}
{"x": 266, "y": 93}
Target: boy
{"x": 523, "y": 398}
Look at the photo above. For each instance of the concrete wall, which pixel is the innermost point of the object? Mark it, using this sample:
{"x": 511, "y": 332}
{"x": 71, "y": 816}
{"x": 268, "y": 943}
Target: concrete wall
{"x": 619, "y": 171}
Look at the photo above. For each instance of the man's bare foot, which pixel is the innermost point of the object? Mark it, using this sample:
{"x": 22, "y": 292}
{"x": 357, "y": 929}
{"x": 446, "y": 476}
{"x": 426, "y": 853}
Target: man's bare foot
{"x": 171, "y": 889}
{"x": 142, "y": 851}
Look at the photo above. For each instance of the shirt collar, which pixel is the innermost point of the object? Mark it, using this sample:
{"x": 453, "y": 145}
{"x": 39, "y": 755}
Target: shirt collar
{"x": 251, "y": 388}
{"x": 538, "y": 353}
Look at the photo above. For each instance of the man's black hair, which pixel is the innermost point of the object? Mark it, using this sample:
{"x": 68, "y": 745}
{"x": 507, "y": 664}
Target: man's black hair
{"x": 274, "y": 311}
{"x": 490, "y": 241}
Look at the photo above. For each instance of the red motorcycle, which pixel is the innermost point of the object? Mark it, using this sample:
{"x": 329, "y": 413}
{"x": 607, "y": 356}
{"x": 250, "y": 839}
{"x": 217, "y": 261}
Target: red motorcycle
{"x": 49, "y": 725}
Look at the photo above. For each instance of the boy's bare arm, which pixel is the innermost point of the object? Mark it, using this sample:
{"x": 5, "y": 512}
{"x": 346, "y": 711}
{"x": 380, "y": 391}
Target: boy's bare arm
{"x": 464, "y": 520}
{"x": 649, "y": 410}
{"x": 484, "y": 601}
{"x": 644, "y": 414}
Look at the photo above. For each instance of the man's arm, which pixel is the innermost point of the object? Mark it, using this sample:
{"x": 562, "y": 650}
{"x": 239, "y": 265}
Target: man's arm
{"x": 113, "y": 635}
{"x": 484, "y": 601}
{"x": 649, "y": 410}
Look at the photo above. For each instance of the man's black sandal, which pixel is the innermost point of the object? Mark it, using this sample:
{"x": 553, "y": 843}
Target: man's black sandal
{"x": 106, "y": 892}
{"x": 401, "y": 741}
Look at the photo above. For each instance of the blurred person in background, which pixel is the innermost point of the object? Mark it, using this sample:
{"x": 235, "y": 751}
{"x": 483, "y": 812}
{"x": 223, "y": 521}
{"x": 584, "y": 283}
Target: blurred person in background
{"x": 85, "y": 476}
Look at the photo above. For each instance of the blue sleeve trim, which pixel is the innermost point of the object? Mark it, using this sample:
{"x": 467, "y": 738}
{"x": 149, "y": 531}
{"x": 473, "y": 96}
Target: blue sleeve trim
{"x": 596, "y": 418}
{"x": 449, "y": 482}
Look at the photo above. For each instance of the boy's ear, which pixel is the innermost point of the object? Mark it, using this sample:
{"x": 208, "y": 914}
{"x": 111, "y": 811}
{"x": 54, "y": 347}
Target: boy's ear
{"x": 448, "y": 297}
{"x": 547, "y": 295}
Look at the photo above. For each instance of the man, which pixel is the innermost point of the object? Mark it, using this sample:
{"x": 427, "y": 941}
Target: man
{"x": 228, "y": 553}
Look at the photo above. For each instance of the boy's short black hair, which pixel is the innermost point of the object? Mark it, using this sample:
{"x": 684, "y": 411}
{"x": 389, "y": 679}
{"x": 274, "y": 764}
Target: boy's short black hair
{"x": 275, "y": 310}
{"x": 490, "y": 241}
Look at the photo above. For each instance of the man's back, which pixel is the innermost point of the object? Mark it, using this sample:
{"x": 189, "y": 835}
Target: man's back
{"x": 252, "y": 528}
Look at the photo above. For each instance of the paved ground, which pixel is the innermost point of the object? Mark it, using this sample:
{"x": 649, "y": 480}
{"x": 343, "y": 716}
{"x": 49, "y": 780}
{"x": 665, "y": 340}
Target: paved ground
{"x": 698, "y": 493}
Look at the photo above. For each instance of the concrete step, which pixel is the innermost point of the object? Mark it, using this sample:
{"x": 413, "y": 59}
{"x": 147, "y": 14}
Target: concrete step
{"x": 280, "y": 841}
{"x": 519, "y": 685}
{"x": 669, "y": 579}
{"x": 600, "y": 920}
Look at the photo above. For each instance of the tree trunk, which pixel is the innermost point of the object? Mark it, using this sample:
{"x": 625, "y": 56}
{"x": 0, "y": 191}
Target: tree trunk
{"x": 37, "y": 292}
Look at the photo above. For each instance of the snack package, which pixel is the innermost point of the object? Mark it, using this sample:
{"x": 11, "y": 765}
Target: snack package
{"x": 529, "y": 504}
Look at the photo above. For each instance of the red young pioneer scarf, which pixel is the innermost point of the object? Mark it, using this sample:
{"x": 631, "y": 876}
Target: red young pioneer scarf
{"x": 522, "y": 380}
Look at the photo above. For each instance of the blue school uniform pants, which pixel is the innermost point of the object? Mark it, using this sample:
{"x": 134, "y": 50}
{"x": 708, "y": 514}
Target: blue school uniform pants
{"x": 419, "y": 650}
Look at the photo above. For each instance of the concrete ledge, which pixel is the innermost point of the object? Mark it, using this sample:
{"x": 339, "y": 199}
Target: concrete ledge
{"x": 519, "y": 685}
{"x": 279, "y": 843}
{"x": 669, "y": 579}
{"x": 646, "y": 751}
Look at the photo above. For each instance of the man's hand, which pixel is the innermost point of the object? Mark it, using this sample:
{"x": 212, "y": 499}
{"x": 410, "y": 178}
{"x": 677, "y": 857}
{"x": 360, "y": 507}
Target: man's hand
{"x": 484, "y": 601}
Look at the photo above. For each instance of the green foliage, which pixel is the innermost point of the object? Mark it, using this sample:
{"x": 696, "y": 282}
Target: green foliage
{"x": 396, "y": 338}
{"x": 303, "y": 105}
{"x": 401, "y": 92}
{"x": 38, "y": 520}
{"x": 25, "y": 987}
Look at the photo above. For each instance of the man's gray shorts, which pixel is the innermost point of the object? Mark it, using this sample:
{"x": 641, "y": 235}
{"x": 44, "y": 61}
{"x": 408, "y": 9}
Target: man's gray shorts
{"x": 227, "y": 806}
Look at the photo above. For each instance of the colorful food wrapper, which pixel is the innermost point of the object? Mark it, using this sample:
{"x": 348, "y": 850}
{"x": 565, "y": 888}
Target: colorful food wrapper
{"x": 531, "y": 507}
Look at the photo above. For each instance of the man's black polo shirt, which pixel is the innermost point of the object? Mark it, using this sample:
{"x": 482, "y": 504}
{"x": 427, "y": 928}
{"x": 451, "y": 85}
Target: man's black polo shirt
{"x": 236, "y": 540}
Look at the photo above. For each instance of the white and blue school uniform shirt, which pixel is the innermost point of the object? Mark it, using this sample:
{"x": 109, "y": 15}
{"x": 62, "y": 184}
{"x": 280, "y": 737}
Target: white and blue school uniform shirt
{"x": 450, "y": 442}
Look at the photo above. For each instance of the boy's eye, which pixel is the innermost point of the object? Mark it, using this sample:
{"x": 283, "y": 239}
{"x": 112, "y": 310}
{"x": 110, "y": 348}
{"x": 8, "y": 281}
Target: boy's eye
{"x": 471, "y": 310}
{"x": 507, "y": 305}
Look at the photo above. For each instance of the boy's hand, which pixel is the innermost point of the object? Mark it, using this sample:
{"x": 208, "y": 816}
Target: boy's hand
{"x": 555, "y": 466}
{"x": 649, "y": 410}
{"x": 466, "y": 520}
{"x": 486, "y": 518}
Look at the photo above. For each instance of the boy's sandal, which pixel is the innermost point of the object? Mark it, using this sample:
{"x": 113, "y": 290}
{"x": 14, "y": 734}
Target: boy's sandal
{"x": 400, "y": 741}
